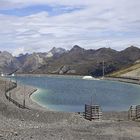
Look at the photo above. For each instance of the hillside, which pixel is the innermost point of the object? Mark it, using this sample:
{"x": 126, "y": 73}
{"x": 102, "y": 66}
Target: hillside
{"x": 130, "y": 71}
{"x": 79, "y": 61}
{"x": 76, "y": 61}
{"x": 8, "y": 63}
{"x": 89, "y": 62}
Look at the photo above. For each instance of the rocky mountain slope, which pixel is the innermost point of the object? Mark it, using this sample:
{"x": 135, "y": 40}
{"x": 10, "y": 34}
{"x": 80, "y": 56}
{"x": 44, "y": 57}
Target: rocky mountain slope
{"x": 132, "y": 71}
{"x": 78, "y": 61}
{"x": 8, "y": 63}
{"x": 89, "y": 62}
{"x": 55, "y": 52}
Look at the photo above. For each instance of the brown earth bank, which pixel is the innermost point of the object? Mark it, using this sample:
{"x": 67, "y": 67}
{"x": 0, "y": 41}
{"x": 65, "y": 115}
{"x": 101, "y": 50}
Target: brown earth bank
{"x": 39, "y": 123}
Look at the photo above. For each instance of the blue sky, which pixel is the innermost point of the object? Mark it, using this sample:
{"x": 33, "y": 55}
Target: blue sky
{"x": 39, "y": 25}
{"x": 34, "y": 9}
{"x": 25, "y": 11}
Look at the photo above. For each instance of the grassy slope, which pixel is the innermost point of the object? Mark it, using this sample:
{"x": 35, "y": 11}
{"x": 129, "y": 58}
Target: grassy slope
{"x": 132, "y": 69}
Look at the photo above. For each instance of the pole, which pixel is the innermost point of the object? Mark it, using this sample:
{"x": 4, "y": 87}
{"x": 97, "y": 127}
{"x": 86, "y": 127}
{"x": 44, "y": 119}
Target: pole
{"x": 16, "y": 78}
{"x": 5, "y": 87}
{"x": 103, "y": 69}
{"x": 91, "y": 101}
{"x": 24, "y": 97}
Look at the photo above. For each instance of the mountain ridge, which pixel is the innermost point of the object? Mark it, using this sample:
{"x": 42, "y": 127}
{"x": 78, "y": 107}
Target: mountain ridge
{"x": 77, "y": 61}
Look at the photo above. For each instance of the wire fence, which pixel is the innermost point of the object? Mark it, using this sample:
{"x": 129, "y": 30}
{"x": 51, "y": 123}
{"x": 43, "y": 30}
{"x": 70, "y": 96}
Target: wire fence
{"x": 12, "y": 100}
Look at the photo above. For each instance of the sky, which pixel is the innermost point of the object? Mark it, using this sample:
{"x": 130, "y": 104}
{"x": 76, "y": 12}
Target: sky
{"x": 38, "y": 25}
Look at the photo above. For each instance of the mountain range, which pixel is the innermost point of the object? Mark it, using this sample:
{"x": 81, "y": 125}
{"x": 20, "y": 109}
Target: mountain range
{"x": 77, "y": 61}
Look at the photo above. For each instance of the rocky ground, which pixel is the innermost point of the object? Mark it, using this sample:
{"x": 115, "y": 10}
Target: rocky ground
{"x": 37, "y": 123}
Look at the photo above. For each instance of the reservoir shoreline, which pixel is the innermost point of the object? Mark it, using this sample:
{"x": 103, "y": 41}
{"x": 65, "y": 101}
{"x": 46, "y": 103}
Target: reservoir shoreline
{"x": 120, "y": 79}
{"x": 40, "y": 103}
{"x": 39, "y": 123}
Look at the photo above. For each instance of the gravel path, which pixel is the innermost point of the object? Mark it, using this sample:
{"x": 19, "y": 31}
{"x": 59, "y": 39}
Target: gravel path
{"x": 38, "y": 123}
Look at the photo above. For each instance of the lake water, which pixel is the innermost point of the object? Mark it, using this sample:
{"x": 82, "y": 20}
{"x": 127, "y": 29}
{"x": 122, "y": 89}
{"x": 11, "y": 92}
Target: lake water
{"x": 70, "y": 94}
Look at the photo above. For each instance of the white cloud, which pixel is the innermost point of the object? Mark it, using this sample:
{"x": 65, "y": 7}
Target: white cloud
{"x": 18, "y": 51}
{"x": 116, "y": 21}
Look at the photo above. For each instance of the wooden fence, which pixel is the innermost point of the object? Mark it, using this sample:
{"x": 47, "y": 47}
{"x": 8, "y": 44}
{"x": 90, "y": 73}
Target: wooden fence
{"x": 12, "y": 100}
{"x": 134, "y": 112}
{"x": 92, "y": 112}
{"x": 138, "y": 111}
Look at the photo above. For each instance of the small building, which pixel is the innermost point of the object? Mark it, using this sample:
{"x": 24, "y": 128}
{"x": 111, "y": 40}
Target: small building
{"x": 132, "y": 112}
{"x": 93, "y": 112}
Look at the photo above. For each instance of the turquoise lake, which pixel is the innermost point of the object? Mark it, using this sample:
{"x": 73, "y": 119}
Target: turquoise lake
{"x": 70, "y": 94}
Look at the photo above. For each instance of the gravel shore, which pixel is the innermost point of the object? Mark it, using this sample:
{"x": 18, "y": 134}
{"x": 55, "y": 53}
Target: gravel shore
{"x": 38, "y": 123}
